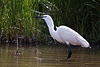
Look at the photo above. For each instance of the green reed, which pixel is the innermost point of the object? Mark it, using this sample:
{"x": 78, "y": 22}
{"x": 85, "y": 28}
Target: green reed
{"x": 16, "y": 17}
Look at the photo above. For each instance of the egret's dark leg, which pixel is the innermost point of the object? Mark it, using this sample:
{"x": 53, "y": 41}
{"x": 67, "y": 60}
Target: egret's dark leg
{"x": 69, "y": 52}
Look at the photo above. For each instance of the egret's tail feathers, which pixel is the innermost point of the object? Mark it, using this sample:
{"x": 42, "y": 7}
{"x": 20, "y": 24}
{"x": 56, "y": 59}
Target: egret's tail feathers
{"x": 83, "y": 42}
{"x": 89, "y": 47}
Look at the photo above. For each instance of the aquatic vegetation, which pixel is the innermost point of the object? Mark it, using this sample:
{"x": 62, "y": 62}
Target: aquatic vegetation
{"x": 16, "y": 18}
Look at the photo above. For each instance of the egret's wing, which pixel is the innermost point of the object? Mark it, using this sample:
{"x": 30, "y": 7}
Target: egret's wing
{"x": 67, "y": 34}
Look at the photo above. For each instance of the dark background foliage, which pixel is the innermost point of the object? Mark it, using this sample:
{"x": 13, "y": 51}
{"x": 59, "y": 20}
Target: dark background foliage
{"x": 16, "y": 18}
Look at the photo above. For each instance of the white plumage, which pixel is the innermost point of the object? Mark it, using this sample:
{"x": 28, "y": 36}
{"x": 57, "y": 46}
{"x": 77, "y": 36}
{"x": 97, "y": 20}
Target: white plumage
{"x": 70, "y": 36}
{"x": 64, "y": 34}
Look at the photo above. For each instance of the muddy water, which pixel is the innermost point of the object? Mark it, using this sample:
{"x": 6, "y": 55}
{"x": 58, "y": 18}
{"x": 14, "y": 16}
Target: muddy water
{"x": 49, "y": 56}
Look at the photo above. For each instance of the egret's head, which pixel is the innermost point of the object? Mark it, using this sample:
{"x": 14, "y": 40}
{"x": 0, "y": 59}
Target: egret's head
{"x": 47, "y": 19}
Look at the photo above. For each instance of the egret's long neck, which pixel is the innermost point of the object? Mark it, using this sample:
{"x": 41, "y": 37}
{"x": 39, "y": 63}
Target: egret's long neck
{"x": 49, "y": 22}
{"x": 50, "y": 25}
{"x": 52, "y": 32}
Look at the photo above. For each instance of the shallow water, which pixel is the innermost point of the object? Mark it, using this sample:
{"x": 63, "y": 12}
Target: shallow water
{"x": 49, "y": 56}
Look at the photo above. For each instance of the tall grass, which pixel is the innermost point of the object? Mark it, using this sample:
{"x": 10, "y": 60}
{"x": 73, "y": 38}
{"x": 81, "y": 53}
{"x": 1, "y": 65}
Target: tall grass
{"x": 16, "y": 17}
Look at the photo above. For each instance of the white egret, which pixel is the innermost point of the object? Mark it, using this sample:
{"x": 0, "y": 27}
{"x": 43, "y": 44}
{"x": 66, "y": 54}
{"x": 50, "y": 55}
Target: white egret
{"x": 64, "y": 34}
